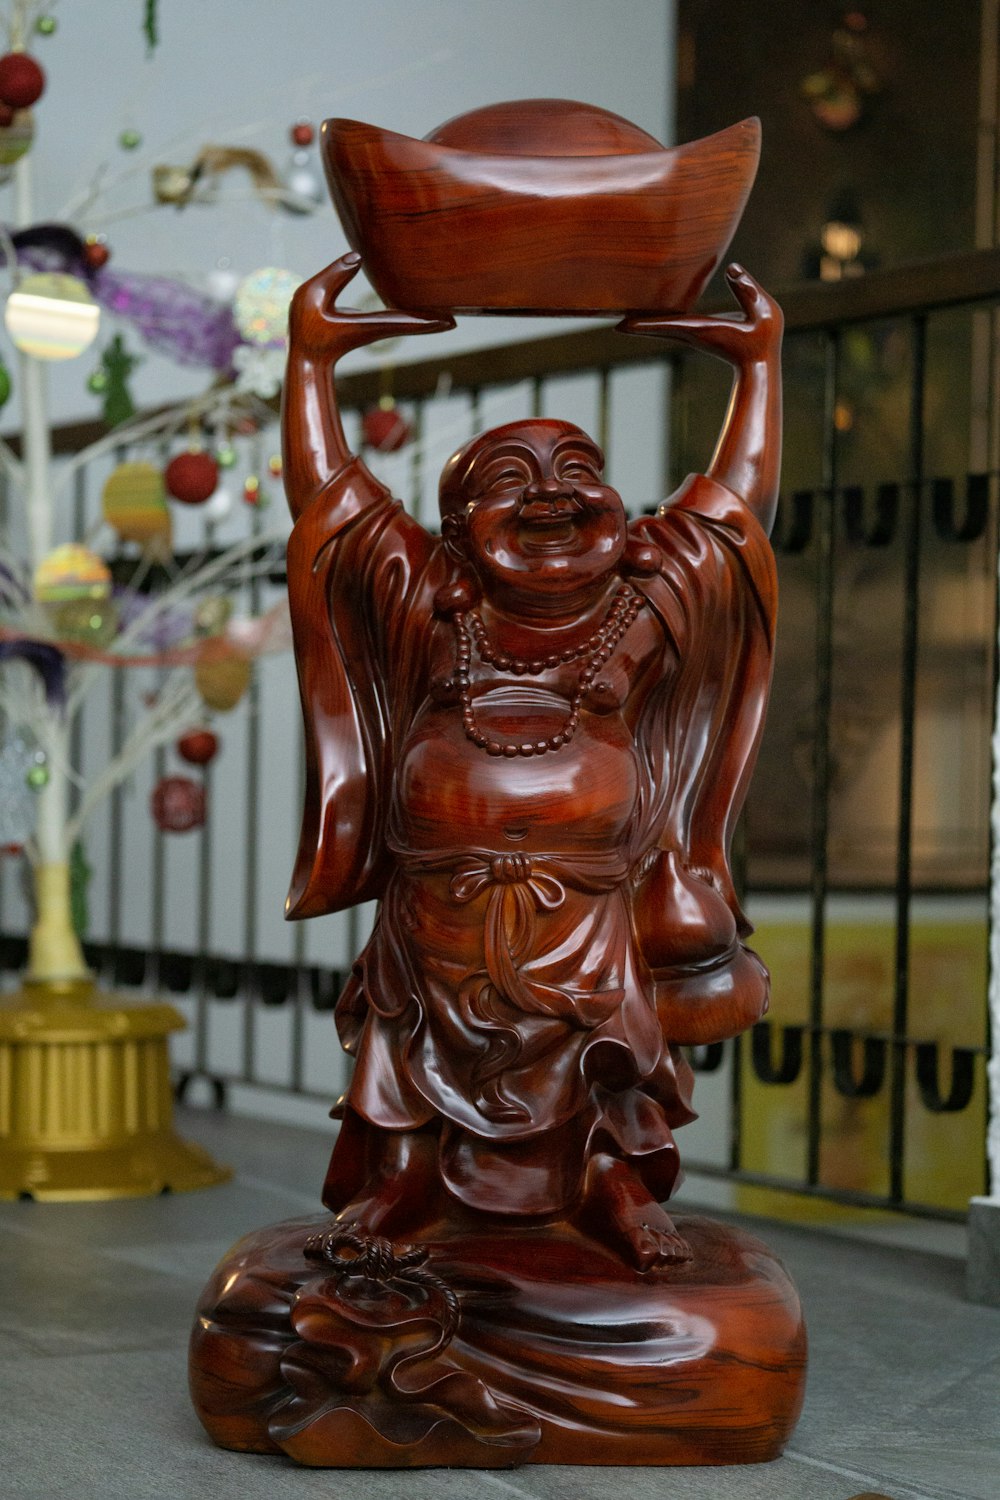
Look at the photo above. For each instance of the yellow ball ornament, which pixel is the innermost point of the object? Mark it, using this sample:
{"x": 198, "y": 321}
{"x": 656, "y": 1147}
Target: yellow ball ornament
{"x": 71, "y": 572}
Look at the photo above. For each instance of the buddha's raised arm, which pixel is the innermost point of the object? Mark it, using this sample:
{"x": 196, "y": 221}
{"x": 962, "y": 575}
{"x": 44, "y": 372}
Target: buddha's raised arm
{"x": 315, "y": 449}
{"x": 747, "y": 459}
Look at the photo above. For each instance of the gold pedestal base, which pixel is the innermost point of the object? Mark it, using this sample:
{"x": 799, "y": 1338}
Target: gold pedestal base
{"x": 86, "y": 1110}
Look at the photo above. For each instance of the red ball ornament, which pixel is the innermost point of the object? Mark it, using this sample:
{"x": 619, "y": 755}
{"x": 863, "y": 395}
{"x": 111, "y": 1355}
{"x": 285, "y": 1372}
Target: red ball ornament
{"x": 95, "y": 254}
{"x": 22, "y": 81}
{"x": 192, "y": 477}
{"x": 385, "y": 429}
{"x": 198, "y": 747}
{"x": 177, "y": 804}
{"x": 302, "y": 133}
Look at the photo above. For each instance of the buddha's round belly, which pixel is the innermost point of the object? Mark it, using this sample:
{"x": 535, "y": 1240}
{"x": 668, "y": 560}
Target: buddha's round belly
{"x": 452, "y": 794}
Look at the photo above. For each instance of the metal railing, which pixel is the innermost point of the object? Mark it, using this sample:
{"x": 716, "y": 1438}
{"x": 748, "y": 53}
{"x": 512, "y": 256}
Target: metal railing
{"x": 864, "y": 847}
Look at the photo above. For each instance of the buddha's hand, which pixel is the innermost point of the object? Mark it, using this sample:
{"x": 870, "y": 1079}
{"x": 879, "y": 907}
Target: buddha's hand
{"x": 753, "y": 338}
{"x": 318, "y": 328}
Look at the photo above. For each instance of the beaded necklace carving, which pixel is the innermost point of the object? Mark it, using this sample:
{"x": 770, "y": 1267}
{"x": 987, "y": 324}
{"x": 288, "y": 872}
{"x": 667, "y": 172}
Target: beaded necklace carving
{"x": 595, "y": 651}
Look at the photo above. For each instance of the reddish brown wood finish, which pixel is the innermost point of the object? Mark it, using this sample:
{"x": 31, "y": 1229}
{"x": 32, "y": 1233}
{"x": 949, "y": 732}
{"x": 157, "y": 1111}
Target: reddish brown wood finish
{"x": 539, "y": 206}
{"x": 559, "y": 1354}
{"x": 529, "y": 739}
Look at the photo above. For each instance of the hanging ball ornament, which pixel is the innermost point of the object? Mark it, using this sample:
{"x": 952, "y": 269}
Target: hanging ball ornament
{"x": 130, "y": 140}
{"x": 274, "y": 465}
{"x": 251, "y": 490}
{"x": 192, "y": 477}
{"x": 222, "y": 681}
{"x": 71, "y": 572}
{"x": 302, "y": 133}
{"x": 18, "y": 808}
{"x": 384, "y": 427}
{"x": 213, "y": 614}
{"x": 198, "y": 747}
{"x": 52, "y": 316}
{"x": 303, "y": 183}
{"x": 260, "y": 306}
{"x": 38, "y": 776}
{"x": 46, "y": 25}
{"x": 134, "y": 504}
{"x": 218, "y": 505}
{"x": 22, "y": 80}
{"x": 86, "y": 622}
{"x": 225, "y": 456}
{"x": 97, "y": 382}
{"x": 178, "y": 804}
{"x": 95, "y": 253}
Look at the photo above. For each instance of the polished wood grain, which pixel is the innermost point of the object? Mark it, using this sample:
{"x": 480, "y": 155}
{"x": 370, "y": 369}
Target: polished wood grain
{"x": 539, "y": 206}
{"x": 558, "y": 1353}
{"x": 528, "y": 738}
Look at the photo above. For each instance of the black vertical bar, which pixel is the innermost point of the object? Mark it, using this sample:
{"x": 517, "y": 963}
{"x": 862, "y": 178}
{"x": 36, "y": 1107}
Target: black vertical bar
{"x": 158, "y": 876}
{"x": 907, "y": 714}
{"x": 992, "y": 865}
{"x": 76, "y": 727}
{"x": 666, "y": 371}
{"x": 4, "y": 864}
{"x": 537, "y": 396}
{"x": 679, "y": 410}
{"x": 417, "y": 463}
{"x": 825, "y": 538}
{"x": 300, "y": 996}
{"x": 252, "y": 865}
{"x": 736, "y": 1106}
{"x": 158, "y": 849}
{"x": 604, "y": 416}
{"x": 116, "y": 820}
{"x": 204, "y": 931}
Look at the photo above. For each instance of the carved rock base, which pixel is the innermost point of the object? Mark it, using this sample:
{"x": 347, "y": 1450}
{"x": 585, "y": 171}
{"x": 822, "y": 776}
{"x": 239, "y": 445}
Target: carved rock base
{"x": 487, "y": 1349}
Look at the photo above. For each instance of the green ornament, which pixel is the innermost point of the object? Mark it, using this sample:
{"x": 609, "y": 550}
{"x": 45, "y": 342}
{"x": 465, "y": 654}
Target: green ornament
{"x": 225, "y": 457}
{"x": 97, "y": 382}
{"x": 117, "y": 365}
{"x": 129, "y": 140}
{"x": 37, "y": 777}
{"x": 4, "y": 384}
{"x": 46, "y": 25}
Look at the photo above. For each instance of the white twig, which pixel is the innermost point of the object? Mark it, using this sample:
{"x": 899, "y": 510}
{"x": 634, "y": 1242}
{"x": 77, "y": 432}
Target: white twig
{"x": 176, "y": 704}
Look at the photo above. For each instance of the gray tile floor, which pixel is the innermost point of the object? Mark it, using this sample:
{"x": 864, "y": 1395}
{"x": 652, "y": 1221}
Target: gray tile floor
{"x": 903, "y": 1398}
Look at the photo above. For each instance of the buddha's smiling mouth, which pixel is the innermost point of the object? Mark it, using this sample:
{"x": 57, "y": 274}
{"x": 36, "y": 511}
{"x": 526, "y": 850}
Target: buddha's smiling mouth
{"x": 549, "y": 524}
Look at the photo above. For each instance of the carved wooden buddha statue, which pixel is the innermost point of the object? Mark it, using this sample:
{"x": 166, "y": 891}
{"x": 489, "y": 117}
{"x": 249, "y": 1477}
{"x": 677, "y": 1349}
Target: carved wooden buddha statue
{"x": 529, "y": 738}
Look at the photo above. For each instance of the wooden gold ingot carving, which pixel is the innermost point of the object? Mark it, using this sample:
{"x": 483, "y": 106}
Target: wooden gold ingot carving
{"x": 539, "y": 206}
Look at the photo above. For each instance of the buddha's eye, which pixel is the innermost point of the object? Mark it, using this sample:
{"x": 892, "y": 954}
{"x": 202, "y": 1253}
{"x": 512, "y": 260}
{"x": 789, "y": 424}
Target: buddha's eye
{"x": 576, "y": 469}
{"x": 505, "y": 477}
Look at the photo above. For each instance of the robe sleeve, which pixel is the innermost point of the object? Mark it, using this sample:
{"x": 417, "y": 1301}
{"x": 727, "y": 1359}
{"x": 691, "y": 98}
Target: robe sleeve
{"x": 715, "y": 595}
{"x": 359, "y": 570}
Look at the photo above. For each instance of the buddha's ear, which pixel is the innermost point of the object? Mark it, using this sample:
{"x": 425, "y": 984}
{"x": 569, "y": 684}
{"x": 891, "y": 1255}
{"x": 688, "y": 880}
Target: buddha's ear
{"x": 453, "y": 536}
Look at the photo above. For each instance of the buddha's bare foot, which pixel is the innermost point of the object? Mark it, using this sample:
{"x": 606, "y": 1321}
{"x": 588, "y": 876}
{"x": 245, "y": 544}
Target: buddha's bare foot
{"x": 620, "y": 1212}
{"x": 400, "y": 1196}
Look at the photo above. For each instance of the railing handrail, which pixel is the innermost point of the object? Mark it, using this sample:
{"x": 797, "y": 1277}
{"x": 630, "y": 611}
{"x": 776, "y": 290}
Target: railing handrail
{"x": 809, "y": 306}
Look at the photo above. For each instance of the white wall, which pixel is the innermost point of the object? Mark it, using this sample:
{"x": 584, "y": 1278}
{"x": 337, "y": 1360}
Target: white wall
{"x": 241, "y": 71}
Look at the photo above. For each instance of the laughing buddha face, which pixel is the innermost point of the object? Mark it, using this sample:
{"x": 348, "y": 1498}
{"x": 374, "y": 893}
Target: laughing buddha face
{"x": 527, "y": 507}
